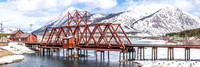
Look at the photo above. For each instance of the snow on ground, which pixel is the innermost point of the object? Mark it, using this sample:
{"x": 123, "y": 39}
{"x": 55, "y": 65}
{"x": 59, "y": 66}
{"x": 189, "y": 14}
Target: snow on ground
{"x": 178, "y": 54}
{"x": 169, "y": 63}
{"x": 17, "y": 48}
{"x": 11, "y": 59}
{"x": 162, "y": 54}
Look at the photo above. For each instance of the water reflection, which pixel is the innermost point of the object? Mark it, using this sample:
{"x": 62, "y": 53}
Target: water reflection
{"x": 35, "y": 60}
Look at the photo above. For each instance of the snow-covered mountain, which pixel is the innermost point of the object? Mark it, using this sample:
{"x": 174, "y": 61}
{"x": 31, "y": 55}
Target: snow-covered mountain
{"x": 154, "y": 20}
{"x": 8, "y": 30}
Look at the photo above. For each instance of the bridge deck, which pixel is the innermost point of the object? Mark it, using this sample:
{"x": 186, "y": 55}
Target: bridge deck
{"x": 127, "y": 45}
{"x": 154, "y": 45}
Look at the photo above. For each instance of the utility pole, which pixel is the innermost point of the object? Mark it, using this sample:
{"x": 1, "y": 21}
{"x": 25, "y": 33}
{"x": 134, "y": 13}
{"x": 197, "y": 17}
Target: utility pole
{"x": 31, "y": 32}
{"x": 1, "y": 31}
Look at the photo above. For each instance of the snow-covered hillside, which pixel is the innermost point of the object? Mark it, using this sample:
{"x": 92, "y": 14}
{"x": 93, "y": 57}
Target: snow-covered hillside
{"x": 8, "y": 30}
{"x": 154, "y": 19}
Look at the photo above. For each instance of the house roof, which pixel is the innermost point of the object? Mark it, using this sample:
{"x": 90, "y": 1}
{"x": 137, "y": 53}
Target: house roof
{"x": 14, "y": 32}
{"x": 24, "y": 35}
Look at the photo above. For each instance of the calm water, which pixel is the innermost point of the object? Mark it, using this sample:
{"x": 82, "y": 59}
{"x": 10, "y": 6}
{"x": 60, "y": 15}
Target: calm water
{"x": 35, "y": 60}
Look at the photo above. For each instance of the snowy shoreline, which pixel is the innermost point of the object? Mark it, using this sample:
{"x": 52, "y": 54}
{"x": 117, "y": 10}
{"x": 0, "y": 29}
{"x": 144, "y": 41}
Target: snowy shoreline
{"x": 18, "y": 49}
{"x": 178, "y": 54}
{"x": 11, "y": 59}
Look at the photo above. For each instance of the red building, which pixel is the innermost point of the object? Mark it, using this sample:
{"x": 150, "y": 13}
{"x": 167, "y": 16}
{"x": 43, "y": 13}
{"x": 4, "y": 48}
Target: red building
{"x": 20, "y": 36}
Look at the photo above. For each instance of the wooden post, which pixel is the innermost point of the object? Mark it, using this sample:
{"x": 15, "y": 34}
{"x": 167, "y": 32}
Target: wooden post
{"x": 120, "y": 56}
{"x": 71, "y": 52}
{"x": 84, "y": 52}
{"x": 129, "y": 55}
{"x": 75, "y": 53}
{"x": 67, "y": 52}
{"x": 80, "y": 52}
{"x": 152, "y": 53}
{"x": 156, "y": 53}
{"x": 133, "y": 53}
{"x": 43, "y": 50}
{"x": 185, "y": 54}
{"x": 123, "y": 57}
{"x": 63, "y": 52}
{"x": 173, "y": 53}
{"x": 108, "y": 54}
{"x": 168, "y": 53}
{"x": 39, "y": 50}
{"x": 143, "y": 53}
{"x": 189, "y": 53}
{"x": 87, "y": 52}
{"x": 51, "y": 52}
{"x": 101, "y": 54}
{"x": 138, "y": 53}
{"x": 96, "y": 54}
{"x": 126, "y": 56}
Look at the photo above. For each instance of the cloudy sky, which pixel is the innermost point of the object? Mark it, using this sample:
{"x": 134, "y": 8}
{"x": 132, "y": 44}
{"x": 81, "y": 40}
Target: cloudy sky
{"x": 21, "y": 13}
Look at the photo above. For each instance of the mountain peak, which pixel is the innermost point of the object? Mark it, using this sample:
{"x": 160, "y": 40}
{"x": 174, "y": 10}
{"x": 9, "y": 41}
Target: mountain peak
{"x": 72, "y": 9}
{"x": 154, "y": 19}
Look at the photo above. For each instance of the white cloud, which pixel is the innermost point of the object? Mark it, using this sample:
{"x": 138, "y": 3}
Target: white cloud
{"x": 104, "y": 4}
{"x": 21, "y": 13}
{"x": 39, "y": 4}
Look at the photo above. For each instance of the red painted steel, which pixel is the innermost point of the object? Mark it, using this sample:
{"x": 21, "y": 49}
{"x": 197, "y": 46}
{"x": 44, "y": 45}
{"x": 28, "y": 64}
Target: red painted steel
{"x": 102, "y": 35}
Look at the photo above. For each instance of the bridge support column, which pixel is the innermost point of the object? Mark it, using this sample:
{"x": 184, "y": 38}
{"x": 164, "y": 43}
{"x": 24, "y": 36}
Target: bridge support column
{"x": 100, "y": 54}
{"x": 154, "y": 53}
{"x": 126, "y": 56}
{"x": 39, "y": 50}
{"x": 86, "y": 53}
{"x": 67, "y": 52}
{"x": 143, "y": 53}
{"x": 43, "y": 51}
{"x": 187, "y": 54}
{"x": 123, "y": 57}
{"x": 71, "y": 52}
{"x": 51, "y": 53}
{"x": 138, "y": 53}
{"x": 170, "y": 53}
{"x": 80, "y": 52}
{"x": 133, "y": 54}
{"x": 96, "y": 54}
{"x": 129, "y": 55}
{"x": 108, "y": 55}
{"x": 75, "y": 53}
{"x": 103, "y": 55}
{"x": 63, "y": 51}
{"x": 120, "y": 56}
